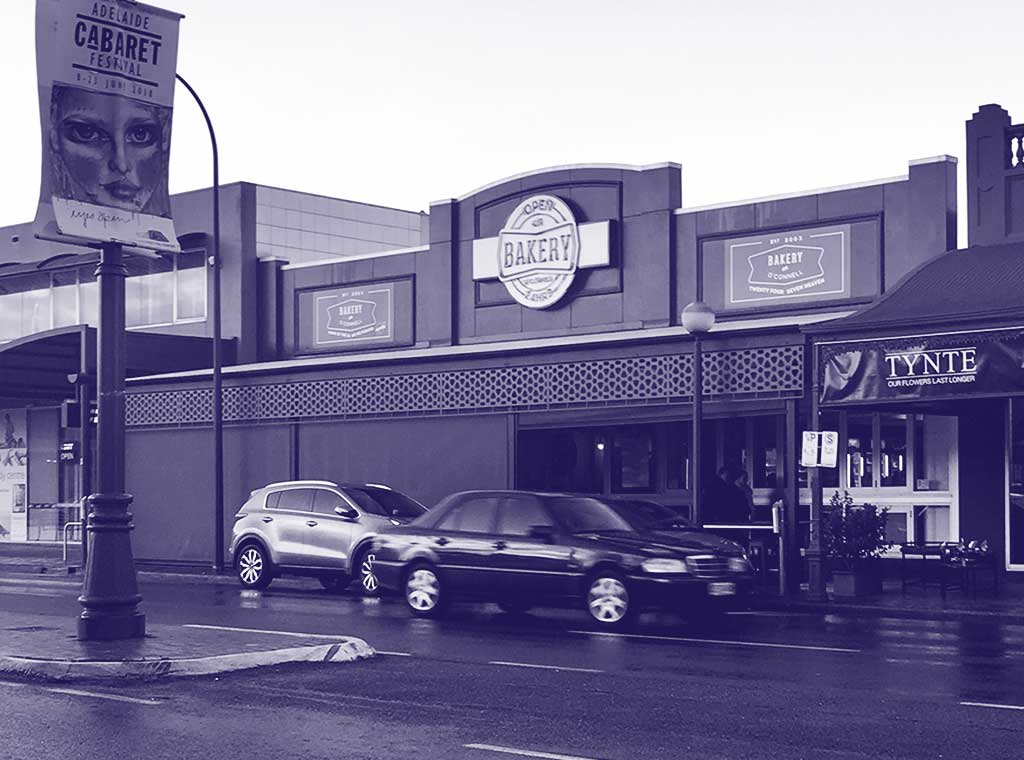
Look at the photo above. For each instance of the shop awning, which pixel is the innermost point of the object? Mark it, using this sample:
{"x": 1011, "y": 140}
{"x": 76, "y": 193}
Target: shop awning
{"x": 35, "y": 369}
{"x": 952, "y": 329}
{"x": 959, "y": 289}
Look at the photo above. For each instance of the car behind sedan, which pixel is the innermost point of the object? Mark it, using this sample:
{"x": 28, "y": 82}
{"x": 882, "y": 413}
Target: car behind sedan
{"x": 523, "y": 549}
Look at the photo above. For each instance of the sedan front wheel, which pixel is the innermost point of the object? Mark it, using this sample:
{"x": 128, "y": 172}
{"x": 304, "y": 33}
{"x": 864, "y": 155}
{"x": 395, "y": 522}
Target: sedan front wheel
{"x": 608, "y": 601}
{"x": 424, "y": 592}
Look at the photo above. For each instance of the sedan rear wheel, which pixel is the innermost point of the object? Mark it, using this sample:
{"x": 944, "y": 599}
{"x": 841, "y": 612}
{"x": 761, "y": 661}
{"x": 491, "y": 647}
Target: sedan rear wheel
{"x": 424, "y": 593}
{"x": 608, "y": 600}
{"x": 254, "y": 567}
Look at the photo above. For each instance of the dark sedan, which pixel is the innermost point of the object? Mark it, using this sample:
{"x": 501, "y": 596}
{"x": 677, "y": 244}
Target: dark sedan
{"x": 524, "y": 549}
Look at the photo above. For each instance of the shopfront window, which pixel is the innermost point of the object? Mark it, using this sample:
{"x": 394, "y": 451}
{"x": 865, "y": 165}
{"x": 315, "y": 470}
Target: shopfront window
{"x": 934, "y": 439}
{"x": 896, "y": 530}
{"x": 931, "y": 523}
{"x": 65, "y": 298}
{"x": 161, "y": 291}
{"x": 892, "y": 443}
{"x": 1016, "y": 505}
{"x": 633, "y": 461}
{"x": 191, "y": 285}
{"x": 678, "y": 443}
{"x": 766, "y": 452}
{"x": 858, "y": 451}
{"x": 571, "y": 460}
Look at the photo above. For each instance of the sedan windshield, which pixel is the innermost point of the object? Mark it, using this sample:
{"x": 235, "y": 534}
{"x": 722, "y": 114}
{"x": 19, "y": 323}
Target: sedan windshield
{"x": 646, "y": 515}
{"x": 384, "y": 501}
{"x": 583, "y": 515}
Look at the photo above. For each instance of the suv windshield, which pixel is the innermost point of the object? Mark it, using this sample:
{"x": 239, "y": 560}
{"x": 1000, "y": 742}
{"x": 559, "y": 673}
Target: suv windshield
{"x": 585, "y": 515}
{"x": 383, "y": 501}
{"x": 645, "y": 515}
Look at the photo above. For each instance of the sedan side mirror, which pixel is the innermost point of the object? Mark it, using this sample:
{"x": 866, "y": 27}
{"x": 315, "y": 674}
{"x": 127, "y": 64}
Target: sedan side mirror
{"x": 545, "y": 533}
{"x": 348, "y": 514}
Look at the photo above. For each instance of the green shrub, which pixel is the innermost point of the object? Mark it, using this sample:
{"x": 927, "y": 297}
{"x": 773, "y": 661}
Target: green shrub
{"x": 852, "y": 533}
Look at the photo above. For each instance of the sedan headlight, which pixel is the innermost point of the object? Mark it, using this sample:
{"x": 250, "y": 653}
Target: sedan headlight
{"x": 740, "y": 565}
{"x": 663, "y": 565}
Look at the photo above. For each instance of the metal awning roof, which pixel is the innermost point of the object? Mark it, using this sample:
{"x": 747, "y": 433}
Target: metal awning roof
{"x": 964, "y": 289}
{"x": 35, "y": 369}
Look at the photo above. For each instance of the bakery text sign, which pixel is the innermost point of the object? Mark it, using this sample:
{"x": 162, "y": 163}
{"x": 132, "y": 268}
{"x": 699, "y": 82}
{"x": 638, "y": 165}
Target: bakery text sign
{"x": 780, "y": 267}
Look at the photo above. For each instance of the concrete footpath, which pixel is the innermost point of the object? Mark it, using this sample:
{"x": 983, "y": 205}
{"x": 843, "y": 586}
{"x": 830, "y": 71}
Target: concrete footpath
{"x": 45, "y": 647}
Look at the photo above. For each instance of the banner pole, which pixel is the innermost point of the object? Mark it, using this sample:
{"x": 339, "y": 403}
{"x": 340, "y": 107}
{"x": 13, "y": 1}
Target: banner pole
{"x": 110, "y": 591}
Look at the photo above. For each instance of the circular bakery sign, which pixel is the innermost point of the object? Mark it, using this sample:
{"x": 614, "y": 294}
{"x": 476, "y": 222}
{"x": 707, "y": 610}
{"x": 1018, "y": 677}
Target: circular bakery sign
{"x": 538, "y": 251}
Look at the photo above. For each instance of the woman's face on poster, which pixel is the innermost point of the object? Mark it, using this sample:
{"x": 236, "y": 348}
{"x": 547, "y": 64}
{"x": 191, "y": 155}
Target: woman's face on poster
{"x": 112, "y": 148}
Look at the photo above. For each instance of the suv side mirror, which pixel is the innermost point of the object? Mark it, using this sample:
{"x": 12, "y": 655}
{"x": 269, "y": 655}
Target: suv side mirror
{"x": 348, "y": 514}
{"x": 545, "y": 533}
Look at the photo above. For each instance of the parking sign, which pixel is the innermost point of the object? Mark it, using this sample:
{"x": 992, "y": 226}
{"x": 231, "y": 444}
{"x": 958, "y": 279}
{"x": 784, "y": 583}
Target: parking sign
{"x": 820, "y": 448}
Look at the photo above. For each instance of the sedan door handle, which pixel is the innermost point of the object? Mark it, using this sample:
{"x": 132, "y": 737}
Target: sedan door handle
{"x": 442, "y": 541}
{"x": 499, "y": 545}
{"x": 311, "y": 523}
{"x": 267, "y": 519}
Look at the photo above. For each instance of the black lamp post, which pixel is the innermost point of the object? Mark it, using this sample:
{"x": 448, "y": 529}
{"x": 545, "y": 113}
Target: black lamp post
{"x": 218, "y": 415}
{"x": 110, "y": 591}
{"x": 698, "y": 319}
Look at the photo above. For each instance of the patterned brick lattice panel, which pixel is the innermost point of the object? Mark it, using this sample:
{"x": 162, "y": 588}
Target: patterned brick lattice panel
{"x": 746, "y": 373}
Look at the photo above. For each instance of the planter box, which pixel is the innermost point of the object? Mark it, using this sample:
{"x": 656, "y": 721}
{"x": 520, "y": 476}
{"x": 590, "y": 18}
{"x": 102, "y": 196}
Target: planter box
{"x": 849, "y": 584}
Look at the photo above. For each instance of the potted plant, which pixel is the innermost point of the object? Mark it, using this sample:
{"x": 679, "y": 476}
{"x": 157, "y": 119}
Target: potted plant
{"x": 853, "y": 538}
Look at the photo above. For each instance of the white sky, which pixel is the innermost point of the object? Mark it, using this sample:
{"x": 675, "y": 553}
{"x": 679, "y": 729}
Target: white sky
{"x": 406, "y": 101}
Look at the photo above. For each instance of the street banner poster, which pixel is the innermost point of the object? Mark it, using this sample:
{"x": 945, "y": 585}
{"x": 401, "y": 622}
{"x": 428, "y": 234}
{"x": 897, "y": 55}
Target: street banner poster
{"x": 106, "y": 92}
{"x": 13, "y": 475}
{"x": 784, "y": 267}
{"x": 944, "y": 366}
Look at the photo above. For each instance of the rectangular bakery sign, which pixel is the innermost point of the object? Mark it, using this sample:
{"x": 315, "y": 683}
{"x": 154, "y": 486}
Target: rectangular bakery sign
{"x": 787, "y": 267}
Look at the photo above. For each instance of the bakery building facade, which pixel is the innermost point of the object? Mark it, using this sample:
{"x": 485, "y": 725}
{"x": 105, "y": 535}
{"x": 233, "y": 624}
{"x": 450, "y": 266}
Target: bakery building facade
{"x": 528, "y": 335}
{"x": 534, "y": 341}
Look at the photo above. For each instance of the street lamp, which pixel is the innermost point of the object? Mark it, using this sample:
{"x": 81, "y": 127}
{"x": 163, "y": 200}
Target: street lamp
{"x": 218, "y": 416}
{"x": 698, "y": 318}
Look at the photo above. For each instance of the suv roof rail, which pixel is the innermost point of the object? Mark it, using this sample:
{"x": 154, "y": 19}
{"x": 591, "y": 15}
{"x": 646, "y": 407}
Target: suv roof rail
{"x": 380, "y": 485}
{"x": 301, "y": 483}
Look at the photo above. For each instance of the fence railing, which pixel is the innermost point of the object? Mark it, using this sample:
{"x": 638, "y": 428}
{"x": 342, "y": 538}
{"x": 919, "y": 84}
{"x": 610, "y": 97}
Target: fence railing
{"x": 1015, "y": 143}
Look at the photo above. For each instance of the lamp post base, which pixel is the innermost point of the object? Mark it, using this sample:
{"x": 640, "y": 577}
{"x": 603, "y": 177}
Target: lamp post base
{"x": 110, "y": 592}
{"x": 111, "y": 627}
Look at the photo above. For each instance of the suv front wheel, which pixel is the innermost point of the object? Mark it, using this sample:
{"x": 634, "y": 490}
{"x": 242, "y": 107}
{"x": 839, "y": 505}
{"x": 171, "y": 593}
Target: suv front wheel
{"x": 254, "y": 567}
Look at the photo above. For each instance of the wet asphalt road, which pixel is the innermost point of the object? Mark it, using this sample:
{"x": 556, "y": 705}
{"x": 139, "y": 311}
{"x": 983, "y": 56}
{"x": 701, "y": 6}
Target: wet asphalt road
{"x": 482, "y": 684}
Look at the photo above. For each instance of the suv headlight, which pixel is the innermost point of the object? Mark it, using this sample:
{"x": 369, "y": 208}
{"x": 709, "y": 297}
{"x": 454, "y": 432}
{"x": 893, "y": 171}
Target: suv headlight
{"x": 740, "y": 564}
{"x": 663, "y": 565}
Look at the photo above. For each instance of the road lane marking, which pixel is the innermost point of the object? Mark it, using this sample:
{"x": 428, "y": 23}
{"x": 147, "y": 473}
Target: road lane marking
{"x": 900, "y": 661}
{"x": 544, "y": 667}
{"x": 112, "y": 697}
{"x": 994, "y": 706}
{"x": 257, "y": 630}
{"x": 802, "y": 647}
{"x": 394, "y": 654}
{"x": 524, "y": 752}
{"x": 40, "y": 582}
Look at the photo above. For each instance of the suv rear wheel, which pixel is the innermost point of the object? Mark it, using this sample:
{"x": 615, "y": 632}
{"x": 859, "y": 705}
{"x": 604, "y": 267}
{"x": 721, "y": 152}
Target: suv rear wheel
{"x": 255, "y": 570}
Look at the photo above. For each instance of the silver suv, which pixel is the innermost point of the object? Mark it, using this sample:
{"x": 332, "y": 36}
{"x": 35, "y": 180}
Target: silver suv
{"x": 315, "y": 527}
